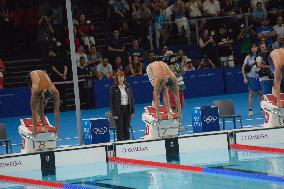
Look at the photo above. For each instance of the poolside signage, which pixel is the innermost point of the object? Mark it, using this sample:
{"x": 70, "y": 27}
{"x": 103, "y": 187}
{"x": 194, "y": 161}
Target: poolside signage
{"x": 22, "y": 163}
{"x": 260, "y": 136}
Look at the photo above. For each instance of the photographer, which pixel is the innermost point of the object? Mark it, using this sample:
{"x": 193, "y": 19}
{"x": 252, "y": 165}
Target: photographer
{"x": 205, "y": 63}
{"x": 264, "y": 73}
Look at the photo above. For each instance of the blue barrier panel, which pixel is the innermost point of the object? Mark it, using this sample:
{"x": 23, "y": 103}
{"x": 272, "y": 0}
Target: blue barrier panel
{"x": 234, "y": 82}
{"x": 15, "y": 102}
{"x": 204, "y": 83}
{"x": 205, "y": 119}
{"x": 95, "y": 130}
{"x": 101, "y": 92}
{"x": 142, "y": 89}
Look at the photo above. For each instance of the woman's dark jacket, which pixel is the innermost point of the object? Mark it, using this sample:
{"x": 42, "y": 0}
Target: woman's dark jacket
{"x": 115, "y": 99}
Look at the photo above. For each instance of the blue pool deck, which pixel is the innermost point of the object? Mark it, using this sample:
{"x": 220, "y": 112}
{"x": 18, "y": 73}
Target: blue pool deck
{"x": 68, "y": 129}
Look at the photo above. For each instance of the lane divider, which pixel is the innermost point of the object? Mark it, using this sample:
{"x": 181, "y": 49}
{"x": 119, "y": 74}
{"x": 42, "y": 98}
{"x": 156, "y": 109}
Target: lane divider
{"x": 156, "y": 164}
{"x": 257, "y": 148}
{"x": 42, "y": 183}
{"x": 198, "y": 169}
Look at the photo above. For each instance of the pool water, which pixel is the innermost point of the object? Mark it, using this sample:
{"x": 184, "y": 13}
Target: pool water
{"x": 127, "y": 176}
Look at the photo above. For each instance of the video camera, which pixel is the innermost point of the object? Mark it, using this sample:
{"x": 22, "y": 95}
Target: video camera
{"x": 168, "y": 59}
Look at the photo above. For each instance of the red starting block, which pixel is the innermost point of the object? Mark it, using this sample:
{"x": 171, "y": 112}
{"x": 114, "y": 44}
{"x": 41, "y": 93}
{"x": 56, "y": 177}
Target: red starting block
{"x": 40, "y": 141}
{"x": 273, "y": 115}
{"x": 28, "y": 122}
{"x": 163, "y": 112}
{"x": 162, "y": 128}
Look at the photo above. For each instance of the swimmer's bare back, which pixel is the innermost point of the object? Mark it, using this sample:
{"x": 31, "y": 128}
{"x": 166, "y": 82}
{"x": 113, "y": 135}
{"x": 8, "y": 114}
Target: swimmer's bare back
{"x": 160, "y": 70}
{"x": 40, "y": 81}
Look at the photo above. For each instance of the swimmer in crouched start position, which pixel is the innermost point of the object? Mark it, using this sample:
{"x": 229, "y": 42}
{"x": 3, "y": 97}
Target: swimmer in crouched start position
{"x": 42, "y": 89}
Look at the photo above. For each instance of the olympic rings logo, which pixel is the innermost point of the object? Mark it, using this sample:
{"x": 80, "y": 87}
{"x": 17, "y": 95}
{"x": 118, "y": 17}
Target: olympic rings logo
{"x": 210, "y": 119}
{"x": 100, "y": 131}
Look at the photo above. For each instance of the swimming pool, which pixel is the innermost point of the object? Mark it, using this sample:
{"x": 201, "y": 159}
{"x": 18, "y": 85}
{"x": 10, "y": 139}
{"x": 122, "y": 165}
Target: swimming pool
{"x": 221, "y": 168}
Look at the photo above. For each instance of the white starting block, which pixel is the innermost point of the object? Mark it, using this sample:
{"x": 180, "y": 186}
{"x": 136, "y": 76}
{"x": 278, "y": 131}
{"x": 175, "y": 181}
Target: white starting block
{"x": 159, "y": 129}
{"x": 273, "y": 115}
{"x": 37, "y": 142}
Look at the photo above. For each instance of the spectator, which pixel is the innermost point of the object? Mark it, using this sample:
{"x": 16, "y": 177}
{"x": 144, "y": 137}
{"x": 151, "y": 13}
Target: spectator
{"x": 265, "y": 31}
{"x": 264, "y": 72}
{"x": 82, "y": 68}
{"x": 194, "y": 8}
{"x": 94, "y": 59}
{"x": 211, "y": 8}
{"x": 182, "y": 58}
{"x": 135, "y": 51}
{"x": 135, "y": 68}
{"x": 76, "y": 41}
{"x": 122, "y": 106}
{"x": 85, "y": 31}
{"x": 275, "y": 7}
{"x": 45, "y": 35}
{"x": 244, "y": 7}
{"x": 250, "y": 78}
{"x": 59, "y": 71}
{"x": 253, "y": 3}
{"x": 279, "y": 43}
{"x": 258, "y": 14}
{"x": 228, "y": 8}
{"x": 188, "y": 65}
{"x": 160, "y": 28}
{"x": 245, "y": 38}
{"x": 121, "y": 11}
{"x": 225, "y": 46}
{"x": 205, "y": 63}
{"x": 180, "y": 19}
{"x": 121, "y": 8}
{"x": 104, "y": 69}
{"x": 57, "y": 20}
{"x": 117, "y": 65}
{"x": 167, "y": 10}
{"x": 149, "y": 59}
{"x": 116, "y": 46}
{"x": 279, "y": 27}
{"x": 208, "y": 45}
{"x": 81, "y": 53}
{"x": 141, "y": 16}
{"x": 2, "y": 69}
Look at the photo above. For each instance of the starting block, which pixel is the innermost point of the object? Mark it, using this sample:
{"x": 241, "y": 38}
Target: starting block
{"x": 40, "y": 141}
{"x": 274, "y": 116}
{"x": 161, "y": 128}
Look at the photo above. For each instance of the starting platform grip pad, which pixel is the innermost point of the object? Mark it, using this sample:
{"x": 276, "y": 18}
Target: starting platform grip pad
{"x": 37, "y": 142}
{"x": 274, "y": 116}
{"x": 162, "y": 128}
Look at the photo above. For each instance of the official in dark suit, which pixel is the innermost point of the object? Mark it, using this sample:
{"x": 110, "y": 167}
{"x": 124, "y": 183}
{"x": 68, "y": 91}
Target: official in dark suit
{"x": 122, "y": 106}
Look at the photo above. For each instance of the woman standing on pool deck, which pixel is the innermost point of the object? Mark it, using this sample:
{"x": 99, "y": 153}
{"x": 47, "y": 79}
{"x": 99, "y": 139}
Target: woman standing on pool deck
{"x": 250, "y": 77}
{"x": 122, "y": 106}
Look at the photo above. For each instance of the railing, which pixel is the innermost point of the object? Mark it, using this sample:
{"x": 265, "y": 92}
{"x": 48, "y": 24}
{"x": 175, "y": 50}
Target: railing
{"x": 195, "y": 22}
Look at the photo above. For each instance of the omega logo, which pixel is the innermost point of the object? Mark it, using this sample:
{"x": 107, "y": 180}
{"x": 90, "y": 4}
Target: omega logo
{"x": 135, "y": 149}
{"x": 10, "y": 164}
{"x": 255, "y": 137}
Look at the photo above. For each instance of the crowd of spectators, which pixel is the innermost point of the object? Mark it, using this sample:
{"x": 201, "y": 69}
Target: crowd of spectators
{"x": 217, "y": 39}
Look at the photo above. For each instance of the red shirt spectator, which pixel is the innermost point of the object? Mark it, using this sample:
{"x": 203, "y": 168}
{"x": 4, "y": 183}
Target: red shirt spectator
{"x": 2, "y": 68}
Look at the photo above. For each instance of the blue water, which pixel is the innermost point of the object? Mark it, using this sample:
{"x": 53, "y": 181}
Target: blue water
{"x": 105, "y": 176}
{"x": 68, "y": 128}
